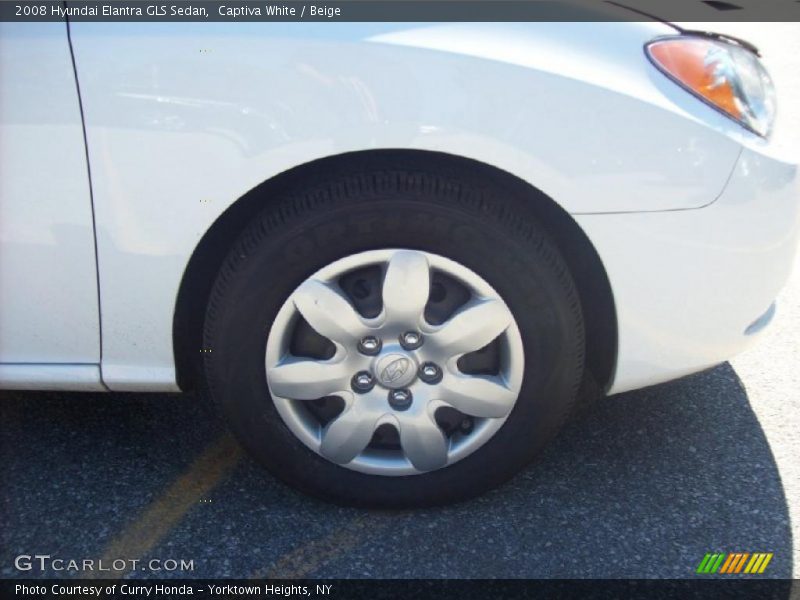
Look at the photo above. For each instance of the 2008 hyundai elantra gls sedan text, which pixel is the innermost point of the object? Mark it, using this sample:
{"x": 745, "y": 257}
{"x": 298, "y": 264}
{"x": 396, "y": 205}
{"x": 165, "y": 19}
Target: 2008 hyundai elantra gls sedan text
{"x": 396, "y": 256}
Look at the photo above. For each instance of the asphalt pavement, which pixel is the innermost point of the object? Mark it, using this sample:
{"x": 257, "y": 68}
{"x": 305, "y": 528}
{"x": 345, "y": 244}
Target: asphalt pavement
{"x": 642, "y": 484}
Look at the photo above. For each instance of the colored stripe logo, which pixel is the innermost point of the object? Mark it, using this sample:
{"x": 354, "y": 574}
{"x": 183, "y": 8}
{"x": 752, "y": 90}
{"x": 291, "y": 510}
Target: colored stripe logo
{"x": 734, "y": 562}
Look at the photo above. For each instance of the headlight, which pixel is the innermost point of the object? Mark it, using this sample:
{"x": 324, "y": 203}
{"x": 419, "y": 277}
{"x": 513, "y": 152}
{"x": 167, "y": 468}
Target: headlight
{"x": 727, "y": 76}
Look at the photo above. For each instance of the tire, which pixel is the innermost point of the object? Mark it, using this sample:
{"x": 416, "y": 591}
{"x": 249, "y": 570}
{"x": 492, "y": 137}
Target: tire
{"x": 454, "y": 215}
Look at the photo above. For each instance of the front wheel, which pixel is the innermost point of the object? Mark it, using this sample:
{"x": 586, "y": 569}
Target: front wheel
{"x": 396, "y": 339}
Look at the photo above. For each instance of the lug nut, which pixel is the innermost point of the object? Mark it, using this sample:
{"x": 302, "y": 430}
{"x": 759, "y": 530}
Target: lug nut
{"x": 362, "y": 382}
{"x": 400, "y": 399}
{"x": 411, "y": 340}
{"x": 430, "y": 373}
{"x": 370, "y": 345}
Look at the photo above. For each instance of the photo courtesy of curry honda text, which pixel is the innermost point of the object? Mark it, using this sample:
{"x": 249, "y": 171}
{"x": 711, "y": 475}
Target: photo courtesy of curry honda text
{"x": 397, "y": 257}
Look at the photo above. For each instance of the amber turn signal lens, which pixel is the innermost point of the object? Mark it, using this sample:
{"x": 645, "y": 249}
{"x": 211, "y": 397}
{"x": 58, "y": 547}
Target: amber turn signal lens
{"x": 727, "y": 76}
{"x": 688, "y": 62}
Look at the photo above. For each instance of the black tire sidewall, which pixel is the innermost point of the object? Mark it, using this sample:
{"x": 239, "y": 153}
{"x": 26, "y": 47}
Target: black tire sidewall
{"x": 283, "y": 249}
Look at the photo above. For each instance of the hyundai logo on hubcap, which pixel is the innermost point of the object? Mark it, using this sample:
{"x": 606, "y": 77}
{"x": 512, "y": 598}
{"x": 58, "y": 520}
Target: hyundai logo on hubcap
{"x": 395, "y": 371}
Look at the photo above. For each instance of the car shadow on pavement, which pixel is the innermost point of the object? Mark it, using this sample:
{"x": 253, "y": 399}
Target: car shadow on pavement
{"x": 641, "y": 484}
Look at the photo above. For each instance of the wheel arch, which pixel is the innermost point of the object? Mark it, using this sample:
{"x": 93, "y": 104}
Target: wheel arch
{"x": 596, "y": 297}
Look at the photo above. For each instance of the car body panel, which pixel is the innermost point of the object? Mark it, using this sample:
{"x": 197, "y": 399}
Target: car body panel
{"x": 693, "y": 219}
{"x": 689, "y": 283}
{"x": 48, "y": 275}
{"x": 66, "y": 377}
{"x": 182, "y": 121}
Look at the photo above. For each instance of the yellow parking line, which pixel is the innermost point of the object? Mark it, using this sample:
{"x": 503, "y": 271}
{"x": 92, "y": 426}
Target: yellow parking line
{"x": 308, "y": 558}
{"x": 166, "y": 511}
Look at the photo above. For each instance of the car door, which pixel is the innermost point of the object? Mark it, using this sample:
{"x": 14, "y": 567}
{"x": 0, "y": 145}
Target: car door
{"x": 49, "y": 313}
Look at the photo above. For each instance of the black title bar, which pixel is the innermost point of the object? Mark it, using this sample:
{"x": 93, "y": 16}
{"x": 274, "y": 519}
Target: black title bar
{"x": 400, "y": 10}
{"x": 398, "y": 589}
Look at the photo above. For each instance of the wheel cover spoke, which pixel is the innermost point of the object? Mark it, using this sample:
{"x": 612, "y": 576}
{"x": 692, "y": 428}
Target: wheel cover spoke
{"x": 423, "y": 442}
{"x": 472, "y": 328}
{"x": 347, "y": 435}
{"x": 307, "y": 379}
{"x": 477, "y": 396}
{"x": 328, "y": 312}
{"x": 406, "y": 287}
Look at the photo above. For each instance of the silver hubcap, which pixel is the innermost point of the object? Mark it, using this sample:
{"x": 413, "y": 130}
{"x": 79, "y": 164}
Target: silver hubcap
{"x": 395, "y": 369}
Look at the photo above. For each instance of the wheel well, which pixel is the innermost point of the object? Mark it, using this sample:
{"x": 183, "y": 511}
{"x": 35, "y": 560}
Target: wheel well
{"x": 585, "y": 265}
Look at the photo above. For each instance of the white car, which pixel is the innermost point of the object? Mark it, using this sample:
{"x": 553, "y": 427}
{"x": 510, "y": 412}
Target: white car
{"x": 395, "y": 255}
